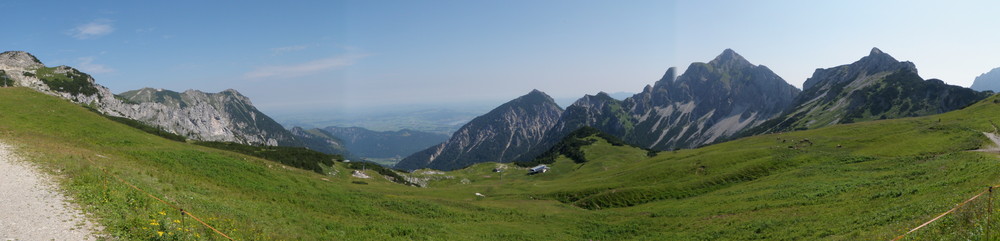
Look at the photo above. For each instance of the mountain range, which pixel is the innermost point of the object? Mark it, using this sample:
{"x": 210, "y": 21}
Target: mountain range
{"x": 226, "y": 116}
{"x": 726, "y": 98}
{"x": 875, "y": 87}
{"x": 709, "y": 102}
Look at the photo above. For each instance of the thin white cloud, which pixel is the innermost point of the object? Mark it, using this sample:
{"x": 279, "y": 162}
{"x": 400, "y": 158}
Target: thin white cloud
{"x": 93, "y": 29}
{"x": 286, "y": 49}
{"x": 302, "y": 69}
{"x": 88, "y": 66}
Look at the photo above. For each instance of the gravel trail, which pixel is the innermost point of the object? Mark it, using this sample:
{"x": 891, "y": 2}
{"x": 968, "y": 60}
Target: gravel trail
{"x": 996, "y": 143}
{"x": 31, "y": 208}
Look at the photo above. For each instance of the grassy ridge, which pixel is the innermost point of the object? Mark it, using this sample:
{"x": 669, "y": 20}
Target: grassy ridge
{"x": 885, "y": 177}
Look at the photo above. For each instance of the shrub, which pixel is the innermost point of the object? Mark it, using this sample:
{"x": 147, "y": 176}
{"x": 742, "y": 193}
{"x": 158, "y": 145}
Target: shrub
{"x": 298, "y": 157}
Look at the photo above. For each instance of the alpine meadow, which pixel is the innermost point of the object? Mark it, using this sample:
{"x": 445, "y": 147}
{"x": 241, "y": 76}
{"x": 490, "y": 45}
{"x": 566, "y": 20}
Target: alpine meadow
{"x": 545, "y": 120}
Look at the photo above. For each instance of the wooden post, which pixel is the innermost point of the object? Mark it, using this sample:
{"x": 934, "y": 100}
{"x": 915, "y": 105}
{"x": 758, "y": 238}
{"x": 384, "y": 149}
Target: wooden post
{"x": 989, "y": 211}
{"x": 182, "y": 218}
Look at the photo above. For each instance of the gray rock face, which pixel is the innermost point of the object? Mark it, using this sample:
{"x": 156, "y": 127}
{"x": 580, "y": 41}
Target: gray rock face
{"x": 19, "y": 59}
{"x": 710, "y": 102}
{"x": 225, "y": 116}
{"x": 989, "y": 81}
{"x": 505, "y": 134}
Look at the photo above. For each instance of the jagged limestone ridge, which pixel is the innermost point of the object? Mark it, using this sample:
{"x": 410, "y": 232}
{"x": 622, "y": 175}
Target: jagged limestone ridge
{"x": 226, "y": 116}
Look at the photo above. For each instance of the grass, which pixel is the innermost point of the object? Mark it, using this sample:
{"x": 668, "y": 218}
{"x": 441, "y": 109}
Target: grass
{"x": 884, "y": 178}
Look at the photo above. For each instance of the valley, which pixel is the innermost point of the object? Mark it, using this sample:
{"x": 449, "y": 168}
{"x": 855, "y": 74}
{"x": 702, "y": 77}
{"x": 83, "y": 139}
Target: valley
{"x": 499, "y": 120}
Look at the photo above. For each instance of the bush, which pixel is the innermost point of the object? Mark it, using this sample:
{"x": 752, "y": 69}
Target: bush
{"x": 73, "y": 82}
{"x": 298, "y": 157}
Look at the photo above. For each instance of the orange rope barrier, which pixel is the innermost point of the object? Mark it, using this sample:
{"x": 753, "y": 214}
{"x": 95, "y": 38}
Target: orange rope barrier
{"x": 161, "y": 200}
{"x": 942, "y": 215}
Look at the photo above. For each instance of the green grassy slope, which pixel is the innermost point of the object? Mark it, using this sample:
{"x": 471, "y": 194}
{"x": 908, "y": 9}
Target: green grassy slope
{"x": 887, "y": 176}
{"x": 246, "y": 197}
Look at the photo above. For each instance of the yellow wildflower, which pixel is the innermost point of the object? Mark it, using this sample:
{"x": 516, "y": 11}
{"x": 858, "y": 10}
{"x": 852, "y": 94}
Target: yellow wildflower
{"x": 160, "y": 233}
{"x": 180, "y": 229}
{"x": 177, "y": 221}
{"x": 154, "y": 224}
{"x": 163, "y": 213}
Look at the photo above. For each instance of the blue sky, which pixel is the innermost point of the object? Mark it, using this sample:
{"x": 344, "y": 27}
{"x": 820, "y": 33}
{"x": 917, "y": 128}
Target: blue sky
{"x": 330, "y": 55}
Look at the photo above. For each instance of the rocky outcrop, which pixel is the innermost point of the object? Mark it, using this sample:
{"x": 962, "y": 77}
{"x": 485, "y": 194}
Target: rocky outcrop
{"x": 989, "y": 81}
{"x": 875, "y": 87}
{"x": 508, "y": 133}
{"x": 225, "y": 116}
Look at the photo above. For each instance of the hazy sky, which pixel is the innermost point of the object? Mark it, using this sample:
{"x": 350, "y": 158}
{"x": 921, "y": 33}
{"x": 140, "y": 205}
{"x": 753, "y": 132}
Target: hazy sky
{"x": 356, "y": 54}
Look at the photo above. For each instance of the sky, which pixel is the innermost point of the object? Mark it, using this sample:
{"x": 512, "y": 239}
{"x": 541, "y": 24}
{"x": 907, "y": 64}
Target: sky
{"x": 304, "y": 56}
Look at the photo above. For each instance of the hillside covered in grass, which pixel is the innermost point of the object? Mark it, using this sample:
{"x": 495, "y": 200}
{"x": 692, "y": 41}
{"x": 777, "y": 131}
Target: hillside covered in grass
{"x": 245, "y": 197}
{"x": 863, "y": 181}
{"x": 859, "y": 181}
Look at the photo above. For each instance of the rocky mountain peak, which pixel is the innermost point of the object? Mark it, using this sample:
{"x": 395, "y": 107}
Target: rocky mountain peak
{"x": 877, "y": 54}
{"x": 534, "y": 97}
{"x": 20, "y": 59}
{"x": 536, "y": 93}
{"x": 591, "y": 100}
{"x": 507, "y": 133}
{"x": 729, "y": 58}
{"x": 876, "y": 62}
{"x": 875, "y": 51}
{"x": 668, "y": 78}
{"x": 987, "y": 81}
{"x": 670, "y": 75}
{"x": 231, "y": 92}
{"x": 881, "y": 61}
{"x": 875, "y": 87}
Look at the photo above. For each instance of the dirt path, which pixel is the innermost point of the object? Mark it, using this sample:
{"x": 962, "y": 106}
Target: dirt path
{"x": 32, "y": 209}
{"x": 996, "y": 143}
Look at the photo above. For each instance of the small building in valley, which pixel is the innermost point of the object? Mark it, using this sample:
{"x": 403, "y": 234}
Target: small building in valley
{"x": 538, "y": 169}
